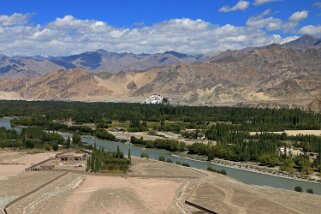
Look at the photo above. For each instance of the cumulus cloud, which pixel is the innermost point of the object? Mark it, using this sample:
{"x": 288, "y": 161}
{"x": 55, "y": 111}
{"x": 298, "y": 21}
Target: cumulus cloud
{"x": 240, "y": 5}
{"x": 14, "y": 19}
{"x": 311, "y": 30}
{"x": 299, "y": 16}
{"x": 69, "y": 35}
{"x": 260, "y": 2}
{"x": 262, "y": 21}
{"x": 267, "y": 22}
{"x": 295, "y": 18}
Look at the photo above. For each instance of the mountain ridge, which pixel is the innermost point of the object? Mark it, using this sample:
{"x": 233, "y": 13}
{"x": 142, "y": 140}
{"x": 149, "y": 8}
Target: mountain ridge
{"x": 273, "y": 75}
{"x": 95, "y": 61}
{"x": 105, "y": 61}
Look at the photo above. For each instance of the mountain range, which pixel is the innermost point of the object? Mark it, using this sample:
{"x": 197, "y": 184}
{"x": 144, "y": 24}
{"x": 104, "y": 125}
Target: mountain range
{"x": 287, "y": 75}
{"x": 94, "y": 61}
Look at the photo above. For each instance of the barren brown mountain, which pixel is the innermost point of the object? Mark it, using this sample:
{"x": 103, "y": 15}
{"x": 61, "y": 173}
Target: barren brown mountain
{"x": 274, "y": 75}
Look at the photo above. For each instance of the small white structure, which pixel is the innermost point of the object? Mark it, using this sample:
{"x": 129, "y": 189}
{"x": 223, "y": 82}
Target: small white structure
{"x": 201, "y": 137}
{"x": 155, "y": 99}
{"x": 283, "y": 150}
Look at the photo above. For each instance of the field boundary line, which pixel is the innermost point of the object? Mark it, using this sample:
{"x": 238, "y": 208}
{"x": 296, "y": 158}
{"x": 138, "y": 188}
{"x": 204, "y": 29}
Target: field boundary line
{"x": 6, "y": 207}
{"x": 200, "y": 207}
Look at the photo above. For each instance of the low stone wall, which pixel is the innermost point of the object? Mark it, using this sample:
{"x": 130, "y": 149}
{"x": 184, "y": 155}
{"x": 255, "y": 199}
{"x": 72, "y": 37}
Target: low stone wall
{"x": 38, "y": 164}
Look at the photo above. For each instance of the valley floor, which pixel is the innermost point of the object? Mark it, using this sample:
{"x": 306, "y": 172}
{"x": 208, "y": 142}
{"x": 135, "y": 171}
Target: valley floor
{"x": 149, "y": 187}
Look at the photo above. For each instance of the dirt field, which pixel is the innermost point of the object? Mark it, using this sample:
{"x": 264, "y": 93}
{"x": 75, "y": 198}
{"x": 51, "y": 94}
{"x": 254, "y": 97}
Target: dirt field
{"x": 149, "y": 187}
{"x": 18, "y": 185}
{"x": 229, "y": 196}
{"x": 102, "y": 194}
{"x": 13, "y": 163}
{"x": 41, "y": 201}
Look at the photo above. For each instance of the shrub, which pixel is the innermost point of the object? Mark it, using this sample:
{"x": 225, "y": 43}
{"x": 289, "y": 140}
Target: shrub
{"x": 144, "y": 155}
{"x": 48, "y": 148}
{"x": 178, "y": 163}
{"x": 185, "y": 164}
{"x": 55, "y": 147}
{"x": 210, "y": 157}
{"x": 161, "y": 158}
{"x": 169, "y": 161}
{"x": 310, "y": 191}
{"x": 103, "y": 134}
{"x": 223, "y": 172}
{"x": 298, "y": 189}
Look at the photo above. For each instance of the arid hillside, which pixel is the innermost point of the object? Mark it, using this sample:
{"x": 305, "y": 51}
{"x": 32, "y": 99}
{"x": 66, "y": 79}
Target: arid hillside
{"x": 269, "y": 76}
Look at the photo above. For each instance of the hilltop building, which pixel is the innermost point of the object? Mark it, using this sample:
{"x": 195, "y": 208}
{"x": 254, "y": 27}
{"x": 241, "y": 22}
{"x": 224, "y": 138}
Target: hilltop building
{"x": 156, "y": 99}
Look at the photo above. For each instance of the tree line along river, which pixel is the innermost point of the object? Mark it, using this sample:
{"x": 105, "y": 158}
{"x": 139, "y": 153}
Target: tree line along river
{"x": 243, "y": 175}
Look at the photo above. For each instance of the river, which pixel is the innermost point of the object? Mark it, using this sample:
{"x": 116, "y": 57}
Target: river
{"x": 243, "y": 175}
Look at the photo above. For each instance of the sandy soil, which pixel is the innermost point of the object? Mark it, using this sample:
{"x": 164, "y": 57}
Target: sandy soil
{"x": 40, "y": 201}
{"x": 108, "y": 194}
{"x": 152, "y": 168}
{"x": 146, "y": 136}
{"x": 295, "y": 132}
{"x": 21, "y": 184}
{"x": 13, "y": 163}
{"x": 226, "y": 195}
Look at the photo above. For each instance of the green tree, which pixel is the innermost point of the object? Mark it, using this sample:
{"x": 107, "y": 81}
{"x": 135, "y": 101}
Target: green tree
{"x": 304, "y": 164}
{"x": 310, "y": 191}
{"x": 76, "y": 138}
{"x": 68, "y": 143}
{"x": 298, "y": 189}
{"x": 129, "y": 156}
{"x": 55, "y": 147}
{"x": 161, "y": 158}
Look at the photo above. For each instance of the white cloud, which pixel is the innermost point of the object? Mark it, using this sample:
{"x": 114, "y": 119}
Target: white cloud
{"x": 311, "y": 30}
{"x": 241, "y": 5}
{"x": 260, "y": 2}
{"x": 69, "y": 35}
{"x": 295, "y": 18}
{"x": 262, "y": 21}
{"x": 289, "y": 39}
{"x": 269, "y": 23}
{"x": 299, "y": 16}
{"x": 14, "y": 19}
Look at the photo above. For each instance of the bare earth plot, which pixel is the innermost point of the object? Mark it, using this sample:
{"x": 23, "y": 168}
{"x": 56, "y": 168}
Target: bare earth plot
{"x": 13, "y": 163}
{"x": 140, "y": 192}
{"x": 162, "y": 135}
{"x": 38, "y": 201}
{"x": 149, "y": 187}
{"x": 102, "y": 194}
{"x": 225, "y": 195}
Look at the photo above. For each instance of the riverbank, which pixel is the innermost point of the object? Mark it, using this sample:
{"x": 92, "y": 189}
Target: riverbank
{"x": 249, "y": 166}
{"x": 245, "y": 176}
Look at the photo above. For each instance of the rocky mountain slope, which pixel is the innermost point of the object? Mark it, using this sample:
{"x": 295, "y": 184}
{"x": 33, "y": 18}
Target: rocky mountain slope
{"x": 271, "y": 76}
{"x": 94, "y": 61}
{"x": 304, "y": 41}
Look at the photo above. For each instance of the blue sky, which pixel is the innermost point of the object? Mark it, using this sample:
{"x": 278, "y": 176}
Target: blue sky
{"x": 49, "y": 27}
